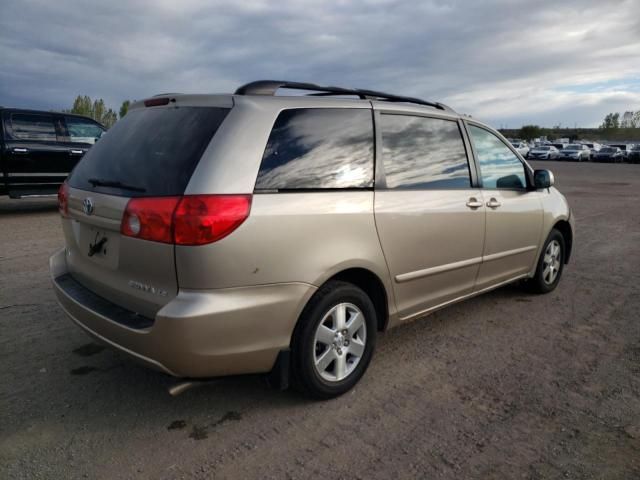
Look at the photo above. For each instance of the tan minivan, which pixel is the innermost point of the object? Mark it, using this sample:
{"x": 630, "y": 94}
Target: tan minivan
{"x": 212, "y": 235}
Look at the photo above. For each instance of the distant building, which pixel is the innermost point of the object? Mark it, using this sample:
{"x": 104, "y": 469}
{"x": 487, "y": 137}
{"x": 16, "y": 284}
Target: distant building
{"x": 627, "y": 119}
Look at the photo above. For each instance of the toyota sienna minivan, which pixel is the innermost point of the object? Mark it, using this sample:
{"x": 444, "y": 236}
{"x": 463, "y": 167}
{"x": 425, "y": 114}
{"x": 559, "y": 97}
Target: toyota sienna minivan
{"x": 211, "y": 235}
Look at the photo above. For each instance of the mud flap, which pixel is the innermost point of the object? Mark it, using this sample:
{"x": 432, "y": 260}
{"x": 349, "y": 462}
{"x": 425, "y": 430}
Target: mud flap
{"x": 278, "y": 377}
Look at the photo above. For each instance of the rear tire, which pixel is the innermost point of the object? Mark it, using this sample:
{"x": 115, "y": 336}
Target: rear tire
{"x": 334, "y": 341}
{"x": 550, "y": 264}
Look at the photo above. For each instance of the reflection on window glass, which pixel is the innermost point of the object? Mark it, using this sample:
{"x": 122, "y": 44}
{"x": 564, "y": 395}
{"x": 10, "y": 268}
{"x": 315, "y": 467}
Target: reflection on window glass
{"x": 312, "y": 148}
{"x": 83, "y": 131}
{"x": 33, "y": 127}
{"x": 499, "y": 167}
{"x": 423, "y": 153}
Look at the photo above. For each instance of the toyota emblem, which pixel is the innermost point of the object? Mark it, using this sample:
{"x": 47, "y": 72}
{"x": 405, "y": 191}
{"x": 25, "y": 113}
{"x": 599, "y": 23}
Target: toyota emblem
{"x": 87, "y": 206}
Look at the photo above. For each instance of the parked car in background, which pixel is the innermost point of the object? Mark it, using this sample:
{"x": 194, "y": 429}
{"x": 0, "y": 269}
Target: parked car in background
{"x": 543, "y": 152}
{"x": 521, "y": 147}
{"x": 271, "y": 233}
{"x": 593, "y": 147}
{"x": 609, "y": 154}
{"x": 576, "y": 152}
{"x": 624, "y": 148}
{"x": 634, "y": 154}
{"x": 38, "y": 149}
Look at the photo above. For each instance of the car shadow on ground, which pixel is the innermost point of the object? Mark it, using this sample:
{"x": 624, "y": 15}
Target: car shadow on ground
{"x": 132, "y": 387}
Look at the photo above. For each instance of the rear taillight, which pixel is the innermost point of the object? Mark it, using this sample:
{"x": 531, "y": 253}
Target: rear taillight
{"x": 63, "y": 199}
{"x": 150, "y": 218}
{"x": 201, "y": 219}
{"x": 188, "y": 220}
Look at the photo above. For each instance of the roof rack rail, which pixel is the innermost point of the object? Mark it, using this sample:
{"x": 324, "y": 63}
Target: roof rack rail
{"x": 270, "y": 87}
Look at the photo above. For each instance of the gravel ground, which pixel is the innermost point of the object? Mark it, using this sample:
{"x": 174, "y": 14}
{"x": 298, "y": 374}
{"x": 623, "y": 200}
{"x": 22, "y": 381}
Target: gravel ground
{"x": 506, "y": 385}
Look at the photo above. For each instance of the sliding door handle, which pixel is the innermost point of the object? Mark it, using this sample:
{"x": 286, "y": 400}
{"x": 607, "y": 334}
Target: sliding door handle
{"x": 473, "y": 203}
{"x": 493, "y": 203}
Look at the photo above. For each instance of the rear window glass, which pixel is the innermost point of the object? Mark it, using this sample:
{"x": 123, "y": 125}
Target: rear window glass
{"x": 423, "y": 153}
{"x": 319, "y": 148}
{"x": 150, "y": 152}
{"x": 33, "y": 127}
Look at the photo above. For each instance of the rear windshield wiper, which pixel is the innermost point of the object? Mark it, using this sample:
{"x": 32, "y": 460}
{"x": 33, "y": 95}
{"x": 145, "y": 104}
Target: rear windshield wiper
{"x": 99, "y": 182}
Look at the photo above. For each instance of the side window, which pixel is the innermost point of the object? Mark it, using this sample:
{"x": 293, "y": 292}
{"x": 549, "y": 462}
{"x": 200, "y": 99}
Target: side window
{"x": 423, "y": 153}
{"x": 319, "y": 148}
{"x": 499, "y": 167}
{"x": 33, "y": 127}
{"x": 82, "y": 131}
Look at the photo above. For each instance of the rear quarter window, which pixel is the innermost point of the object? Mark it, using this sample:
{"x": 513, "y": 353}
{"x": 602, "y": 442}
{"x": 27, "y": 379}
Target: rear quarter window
{"x": 152, "y": 150}
{"x": 319, "y": 148}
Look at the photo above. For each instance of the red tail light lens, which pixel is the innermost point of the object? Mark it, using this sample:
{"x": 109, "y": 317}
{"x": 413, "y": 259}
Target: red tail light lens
{"x": 202, "y": 219}
{"x": 188, "y": 220}
{"x": 150, "y": 218}
{"x": 63, "y": 199}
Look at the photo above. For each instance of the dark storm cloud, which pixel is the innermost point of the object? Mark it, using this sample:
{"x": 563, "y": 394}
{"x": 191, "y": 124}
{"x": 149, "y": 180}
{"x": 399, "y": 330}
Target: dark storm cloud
{"x": 506, "y": 61}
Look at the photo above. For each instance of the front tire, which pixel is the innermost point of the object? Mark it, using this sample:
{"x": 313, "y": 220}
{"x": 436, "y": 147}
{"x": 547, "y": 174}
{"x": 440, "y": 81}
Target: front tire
{"x": 334, "y": 341}
{"x": 550, "y": 264}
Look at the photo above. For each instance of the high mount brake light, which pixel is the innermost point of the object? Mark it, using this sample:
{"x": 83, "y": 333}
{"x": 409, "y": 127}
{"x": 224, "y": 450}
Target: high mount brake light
{"x": 186, "y": 220}
{"x": 154, "y": 102}
{"x": 63, "y": 199}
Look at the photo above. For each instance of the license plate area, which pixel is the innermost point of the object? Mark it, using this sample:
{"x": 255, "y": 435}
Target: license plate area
{"x": 98, "y": 245}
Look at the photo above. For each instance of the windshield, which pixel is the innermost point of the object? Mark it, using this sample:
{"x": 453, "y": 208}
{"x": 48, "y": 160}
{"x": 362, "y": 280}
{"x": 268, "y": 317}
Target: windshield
{"x": 607, "y": 150}
{"x": 544, "y": 149}
{"x": 150, "y": 152}
{"x": 573, "y": 147}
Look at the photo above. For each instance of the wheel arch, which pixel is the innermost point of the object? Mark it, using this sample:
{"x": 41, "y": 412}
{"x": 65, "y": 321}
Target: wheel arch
{"x": 372, "y": 285}
{"x": 564, "y": 227}
{"x": 366, "y": 280}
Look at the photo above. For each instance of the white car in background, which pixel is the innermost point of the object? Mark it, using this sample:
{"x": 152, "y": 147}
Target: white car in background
{"x": 521, "y": 147}
{"x": 544, "y": 152}
{"x": 594, "y": 147}
{"x": 577, "y": 152}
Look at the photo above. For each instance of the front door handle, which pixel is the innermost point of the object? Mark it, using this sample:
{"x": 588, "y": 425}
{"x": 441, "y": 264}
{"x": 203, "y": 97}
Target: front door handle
{"x": 473, "y": 203}
{"x": 75, "y": 152}
{"x": 493, "y": 203}
{"x": 20, "y": 150}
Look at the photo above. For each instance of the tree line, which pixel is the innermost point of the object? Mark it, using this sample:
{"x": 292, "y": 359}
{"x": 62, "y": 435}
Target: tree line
{"x": 613, "y": 121}
{"x": 97, "y": 109}
{"x": 613, "y": 127}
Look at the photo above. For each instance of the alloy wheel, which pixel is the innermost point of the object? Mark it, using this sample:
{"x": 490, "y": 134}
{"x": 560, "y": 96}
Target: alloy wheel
{"x": 551, "y": 261}
{"x": 339, "y": 342}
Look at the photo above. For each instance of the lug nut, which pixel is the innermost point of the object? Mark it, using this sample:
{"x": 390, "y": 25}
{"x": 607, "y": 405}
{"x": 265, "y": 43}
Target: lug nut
{"x": 339, "y": 351}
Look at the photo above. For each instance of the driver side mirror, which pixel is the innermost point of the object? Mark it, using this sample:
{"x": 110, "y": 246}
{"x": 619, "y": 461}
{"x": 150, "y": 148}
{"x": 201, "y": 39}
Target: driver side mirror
{"x": 543, "y": 179}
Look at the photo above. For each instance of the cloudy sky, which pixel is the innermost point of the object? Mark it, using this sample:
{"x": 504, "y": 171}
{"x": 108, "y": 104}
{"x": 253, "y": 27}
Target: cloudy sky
{"x": 505, "y": 61}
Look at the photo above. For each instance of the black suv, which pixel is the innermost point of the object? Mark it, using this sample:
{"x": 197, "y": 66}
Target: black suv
{"x": 39, "y": 149}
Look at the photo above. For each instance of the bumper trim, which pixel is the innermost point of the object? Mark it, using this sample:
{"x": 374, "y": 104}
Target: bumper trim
{"x": 113, "y": 312}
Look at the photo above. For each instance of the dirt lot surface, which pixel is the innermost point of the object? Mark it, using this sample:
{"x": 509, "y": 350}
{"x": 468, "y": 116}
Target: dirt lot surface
{"x": 506, "y": 385}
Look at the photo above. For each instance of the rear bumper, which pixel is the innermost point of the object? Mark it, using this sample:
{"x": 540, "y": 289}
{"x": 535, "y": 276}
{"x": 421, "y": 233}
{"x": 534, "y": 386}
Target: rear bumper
{"x": 200, "y": 333}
